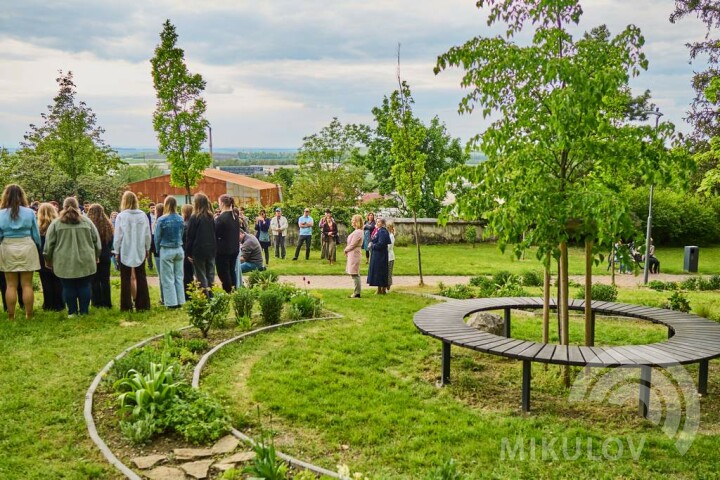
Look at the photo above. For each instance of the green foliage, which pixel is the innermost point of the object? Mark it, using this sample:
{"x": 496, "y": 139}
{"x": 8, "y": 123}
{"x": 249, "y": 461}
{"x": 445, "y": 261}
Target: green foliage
{"x": 266, "y": 463}
{"x": 403, "y": 240}
{"x": 447, "y": 471}
{"x": 242, "y": 302}
{"x": 656, "y": 285}
{"x": 678, "y": 302}
{"x": 179, "y": 117}
{"x": 471, "y": 235}
{"x": 140, "y": 430}
{"x": 198, "y": 417}
{"x": 502, "y": 277}
{"x": 205, "y": 311}
{"x": 271, "y": 303}
{"x": 481, "y": 281}
{"x": 138, "y": 360}
{"x": 532, "y": 279}
{"x": 690, "y": 283}
{"x": 262, "y": 278}
{"x": 714, "y": 282}
{"x": 142, "y": 395}
{"x": 232, "y": 474}
{"x": 600, "y": 292}
{"x": 461, "y": 292}
{"x": 307, "y": 306}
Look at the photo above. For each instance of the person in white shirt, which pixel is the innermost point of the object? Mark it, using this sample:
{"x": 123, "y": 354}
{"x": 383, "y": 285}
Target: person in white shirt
{"x": 279, "y": 226}
{"x": 131, "y": 244}
{"x": 391, "y": 252}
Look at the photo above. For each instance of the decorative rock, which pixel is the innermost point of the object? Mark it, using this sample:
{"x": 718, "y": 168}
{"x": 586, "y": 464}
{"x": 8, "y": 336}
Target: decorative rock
{"x": 223, "y": 467}
{"x": 239, "y": 457}
{"x": 150, "y": 461}
{"x": 197, "y": 469}
{"x": 165, "y": 473}
{"x": 191, "y": 453}
{"x": 225, "y": 445}
{"x": 487, "y": 322}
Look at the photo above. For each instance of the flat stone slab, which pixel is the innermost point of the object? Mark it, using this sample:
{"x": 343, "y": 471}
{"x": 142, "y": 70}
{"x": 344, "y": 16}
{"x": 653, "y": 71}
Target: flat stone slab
{"x": 225, "y": 445}
{"x": 165, "y": 473}
{"x": 191, "y": 453}
{"x": 239, "y": 457}
{"x": 150, "y": 461}
{"x": 198, "y": 469}
{"x": 223, "y": 467}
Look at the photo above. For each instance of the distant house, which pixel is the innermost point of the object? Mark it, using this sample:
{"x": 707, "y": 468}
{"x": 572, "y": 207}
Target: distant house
{"x": 245, "y": 190}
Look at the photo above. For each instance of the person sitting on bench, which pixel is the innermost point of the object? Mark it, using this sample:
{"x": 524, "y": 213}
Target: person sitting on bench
{"x": 654, "y": 263}
{"x": 251, "y": 255}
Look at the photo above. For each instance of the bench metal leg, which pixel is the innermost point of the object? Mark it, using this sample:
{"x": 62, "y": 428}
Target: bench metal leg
{"x": 445, "y": 379}
{"x": 527, "y": 375}
{"x": 703, "y": 377}
{"x": 645, "y": 383}
{"x": 507, "y": 322}
{"x": 671, "y": 333}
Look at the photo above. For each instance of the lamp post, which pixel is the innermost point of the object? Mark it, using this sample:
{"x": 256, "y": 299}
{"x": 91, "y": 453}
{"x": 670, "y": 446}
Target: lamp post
{"x": 657, "y": 114}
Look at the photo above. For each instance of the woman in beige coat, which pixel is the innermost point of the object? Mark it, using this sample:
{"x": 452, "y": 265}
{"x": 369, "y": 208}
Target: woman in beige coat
{"x": 353, "y": 253}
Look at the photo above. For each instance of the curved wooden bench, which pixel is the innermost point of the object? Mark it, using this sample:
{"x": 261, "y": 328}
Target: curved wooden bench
{"x": 691, "y": 339}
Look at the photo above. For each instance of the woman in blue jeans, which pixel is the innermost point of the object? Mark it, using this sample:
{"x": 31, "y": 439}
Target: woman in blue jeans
{"x": 168, "y": 243}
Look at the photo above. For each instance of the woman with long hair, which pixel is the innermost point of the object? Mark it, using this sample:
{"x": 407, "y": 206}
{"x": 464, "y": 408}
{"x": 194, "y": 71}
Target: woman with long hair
{"x": 72, "y": 250}
{"x": 262, "y": 229}
{"x": 368, "y": 230}
{"x": 227, "y": 234}
{"x": 188, "y": 271}
{"x": 132, "y": 244}
{"x": 168, "y": 244}
{"x": 51, "y": 284}
{"x": 201, "y": 245}
{"x": 101, "y": 293}
{"x": 19, "y": 256}
{"x": 329, "y": 232}
{"x": 154, "y": 253}
{"x": 352, "y": 252}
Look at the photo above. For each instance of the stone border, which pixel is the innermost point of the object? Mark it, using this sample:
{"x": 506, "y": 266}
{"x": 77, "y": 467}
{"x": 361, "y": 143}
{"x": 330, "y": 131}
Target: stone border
{"x": 127, "y": 471}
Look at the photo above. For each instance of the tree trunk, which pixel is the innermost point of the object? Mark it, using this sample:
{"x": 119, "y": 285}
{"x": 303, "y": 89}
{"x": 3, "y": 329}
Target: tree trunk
{"x": 546, "y": 302}
{"x": 188, "y": 193}
{"x": 417, "y": 244}
{"x": 588, "y": 287}
{"x": 563, "y": 306}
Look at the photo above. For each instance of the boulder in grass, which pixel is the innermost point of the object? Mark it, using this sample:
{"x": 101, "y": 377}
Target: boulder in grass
{"x": 487, "y": 322}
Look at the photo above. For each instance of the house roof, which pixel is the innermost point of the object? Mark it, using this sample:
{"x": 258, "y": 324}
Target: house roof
{"x": 227, "y": 177}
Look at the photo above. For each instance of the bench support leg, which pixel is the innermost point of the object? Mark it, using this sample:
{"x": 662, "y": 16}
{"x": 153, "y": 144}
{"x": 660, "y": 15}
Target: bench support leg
{"x": 445, "y": 379}
{"x": 527, "y": 375}
{"x": 670, "y": 332}
{"x": 507, "y": 323}
{"x": 645, "y": 383}
{"x": 703, "y": 377}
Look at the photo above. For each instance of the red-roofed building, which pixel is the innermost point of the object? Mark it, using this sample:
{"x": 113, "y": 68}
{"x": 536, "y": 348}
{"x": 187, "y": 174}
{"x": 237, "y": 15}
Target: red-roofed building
{"x": 245, "y": 190}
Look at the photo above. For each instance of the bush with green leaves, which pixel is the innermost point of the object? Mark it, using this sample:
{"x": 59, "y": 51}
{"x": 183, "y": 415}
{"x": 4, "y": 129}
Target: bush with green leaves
{"x": 271, "y": 303}
{"x": 600, "y": 292}
{"x": 149, "y": 394}
{"x": 198, "y": 417}
{"x": 262, "y": 278}
{"x": 532, "y": 279}
{"x": 714, "y": 282}
{"x": 471, "y": 235}
{"x": 502, "y": 277}
{"x": 510, "y": 289}
{"x": 243, "y": 300}
{"x": 656, "y": 285}
{"x": 306, "y": 305}
{"x": 138, "y": 360}
{"x": 140, "y": 430}
{"x": 207, "y": 311}
{"x": 461, "y": 292}
{"x": 690, "y": 283}
{"x": 403, "y": 240}
{"x": 678, "y": 302}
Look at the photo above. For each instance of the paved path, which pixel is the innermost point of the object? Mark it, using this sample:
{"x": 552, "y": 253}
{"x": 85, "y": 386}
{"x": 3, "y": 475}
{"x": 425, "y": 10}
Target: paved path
{"x": 344, "y": 281}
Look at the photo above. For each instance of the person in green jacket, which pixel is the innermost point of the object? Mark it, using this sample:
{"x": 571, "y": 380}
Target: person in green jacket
{"x": 72, "y": 250}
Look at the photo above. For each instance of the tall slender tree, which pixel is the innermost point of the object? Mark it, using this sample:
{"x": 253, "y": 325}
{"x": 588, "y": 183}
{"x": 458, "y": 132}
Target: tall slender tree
{"x": 179, "y": 118}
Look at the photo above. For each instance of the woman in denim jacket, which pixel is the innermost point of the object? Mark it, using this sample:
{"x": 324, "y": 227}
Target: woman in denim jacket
{"x": 169, "y": 242}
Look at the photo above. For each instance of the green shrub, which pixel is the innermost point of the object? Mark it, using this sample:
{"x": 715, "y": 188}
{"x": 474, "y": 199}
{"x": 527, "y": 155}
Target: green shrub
{"x": 139, "y": 431}
{"x": 656, "y": 285}
{"x": 138, "y": 360}
{"x": 471, "y": 235}
{"x": 460, "y": 292}
{"x": 195, "y": 345}
{"x": 142, "y": 395}
{"x": 306, "y": 305}
{"x": 262, "y": 278}
{"x": 510, "y": 289}
{"x": 403, "y": 240}
{"x": 242, "y": 302}
{"x": 600, "y": 292}
{"x": 288, "y": 290}
{"x": 671, "y": 286}
{"x": 198, "y": 417}
{"x": 532, "y": 279}
{"x": 704, "y": 285}
{"x": 271, "y": 305}
{"x": 678, "y": 302}
{"x": 205, "y": 311}
{"x": 480, "y": 281}
{"x": 502, "y": 277}
{"x": 690, "y": 283}
{"x": 714, "y": 282}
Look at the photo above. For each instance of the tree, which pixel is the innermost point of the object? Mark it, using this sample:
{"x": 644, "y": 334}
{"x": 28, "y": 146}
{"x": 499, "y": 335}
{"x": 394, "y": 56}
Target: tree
{"x": 179, "y": 112}
{"x": 328, "y": 175}
{"x": 69, "y": 137}
{"x": 135, "y": 173}
{"x": 441, "y": 152}
{"x": 562, "y": 140}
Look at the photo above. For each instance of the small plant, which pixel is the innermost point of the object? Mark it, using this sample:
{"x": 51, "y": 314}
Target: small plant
{"x": 266, "y": 463}
{"x": 600, "y": 292}
{"x": 672, "y": 286}
{"x": 403, "y": 240}
{"x": 704, "y": 285}
{"x": 461, "y": 292}
{"x": 714, "y": 282}
{"x": 447, "y": 471}
{"x": 480, "y": 281}
{"x": 678, "y": 302}
{"x": 198, "y": 417}
{"x": 207, "y": 311}
{"x": 690, "y": 283}
{"x": 502, "y": 277}
{"x": 148, "y": 394}
{"x": 656, "y": 285}
{"x": 138, "y": 360}
{"x": 532, "y": 279}
{"x": 232, "y": 474}
{"x": 140, "y": 431}
{"x": 271, "y": 305}
{"x": 262, "y": 278}
{"x": 471, "y": 235}
{"x": 510, "y": 289}
{"x": 307, "y": 305}
{"x": 242, "y": 302}
{"x": 196, "y": 345}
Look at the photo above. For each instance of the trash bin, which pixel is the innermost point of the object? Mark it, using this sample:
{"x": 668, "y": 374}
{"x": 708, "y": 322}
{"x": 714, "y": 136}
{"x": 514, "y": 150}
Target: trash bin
{"x": 690, "y": 262}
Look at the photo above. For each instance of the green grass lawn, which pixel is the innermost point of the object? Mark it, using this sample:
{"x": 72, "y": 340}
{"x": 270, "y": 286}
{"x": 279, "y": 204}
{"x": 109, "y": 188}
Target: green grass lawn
{"x": 485, "y": 258}
{"x": 361, "y": 391}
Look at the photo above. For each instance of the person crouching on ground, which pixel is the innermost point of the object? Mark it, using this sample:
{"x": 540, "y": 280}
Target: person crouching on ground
{"x": 353, "y": 253}
{"x": 251, "y": 254}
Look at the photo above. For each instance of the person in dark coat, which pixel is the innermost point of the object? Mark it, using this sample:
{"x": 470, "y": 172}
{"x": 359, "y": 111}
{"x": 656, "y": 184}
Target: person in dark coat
{"x": 378, "y": 271}
{"x": 51, "y": 285}
{"x": 227, "y": 234}
{"x": 188, "y": 272}
{"x": 100, "y": 283}
{"x": 201, "y": 245}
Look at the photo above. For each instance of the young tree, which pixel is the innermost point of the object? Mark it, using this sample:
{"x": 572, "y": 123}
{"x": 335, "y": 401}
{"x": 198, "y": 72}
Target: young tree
{"x": 69, "y": 137}
{"x": 561, "y": 142}
{"x": 328, "y": 176}
{"x": 179, "y": 112}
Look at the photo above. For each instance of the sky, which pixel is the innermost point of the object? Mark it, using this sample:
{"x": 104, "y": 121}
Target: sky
{"x": 279, "y": 70}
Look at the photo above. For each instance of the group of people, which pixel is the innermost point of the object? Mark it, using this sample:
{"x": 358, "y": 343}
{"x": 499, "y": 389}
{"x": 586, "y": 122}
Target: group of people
{"x": 625, "y": 255}
{"x": 377, "y": 239}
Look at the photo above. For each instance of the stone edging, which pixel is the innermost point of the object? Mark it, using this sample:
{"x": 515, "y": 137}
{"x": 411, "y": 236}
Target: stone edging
{"x": 127, "y": 471}
{"x": 238, "y": 434}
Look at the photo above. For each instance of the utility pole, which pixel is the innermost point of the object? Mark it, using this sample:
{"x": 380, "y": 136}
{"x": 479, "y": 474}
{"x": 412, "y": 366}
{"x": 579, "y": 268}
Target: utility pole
{"x": 657, "y": 114}
{"x": 212, "y": 160}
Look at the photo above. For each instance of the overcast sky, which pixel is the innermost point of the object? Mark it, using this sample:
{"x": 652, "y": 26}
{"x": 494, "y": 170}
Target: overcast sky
{"x": 278, "y": 70}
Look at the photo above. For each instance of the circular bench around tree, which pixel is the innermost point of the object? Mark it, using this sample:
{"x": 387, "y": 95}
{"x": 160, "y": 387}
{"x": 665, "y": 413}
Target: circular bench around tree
{"x": 691, "y": 339}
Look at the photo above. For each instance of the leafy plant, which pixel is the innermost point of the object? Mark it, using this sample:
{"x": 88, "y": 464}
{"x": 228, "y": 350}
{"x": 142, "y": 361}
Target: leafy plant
{"x": 307, "y": 305}
{"x": 532, "y": 279}
{"x": 600, "y": 292}
{"x": 447, "y": 471}
{"x": 471, "y": 235}
{"x": 714, "y": 282}
{"x": 262, "y": 278}
{"x": 403, "y": 240}
{"x": 690, "y": 283}
{"x": 678, "y": 302}
{"x": 196, "y": 345}
{"x": 502, "y": 277}
{"x": 139, "y": 431}
{"x": 656, "y": 285}
{"x": 511, "y": 289}
{"x": 198, "y": 417}
{"x": 461, "y": 292}
{"x": 271, "y": 305}
{"x": 148, "y": 394}
{"x": 242, "y": 302}
{"x": 138, "y": 360}
{"x": 207, "y": 311}
{"x": 266, "y": 464}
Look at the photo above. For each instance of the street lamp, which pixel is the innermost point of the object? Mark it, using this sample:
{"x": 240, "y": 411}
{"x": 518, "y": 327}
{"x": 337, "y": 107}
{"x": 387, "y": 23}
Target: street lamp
{"x": 657, "y": 114}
